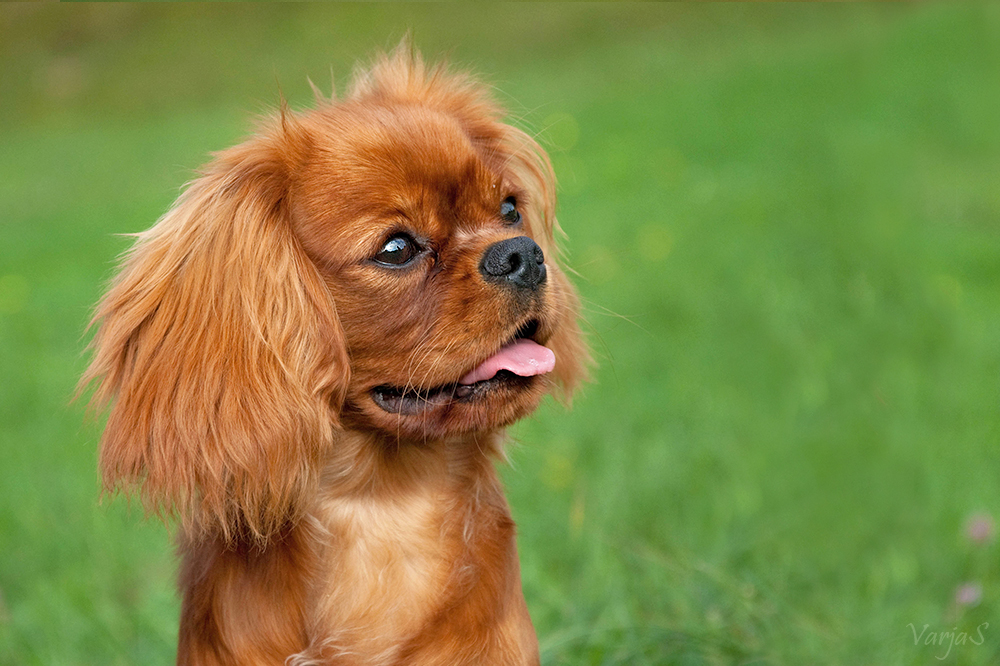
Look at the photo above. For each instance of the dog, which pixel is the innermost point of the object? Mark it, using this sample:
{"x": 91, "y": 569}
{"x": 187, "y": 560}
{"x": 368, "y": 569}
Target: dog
{"x": 310, "y": 360}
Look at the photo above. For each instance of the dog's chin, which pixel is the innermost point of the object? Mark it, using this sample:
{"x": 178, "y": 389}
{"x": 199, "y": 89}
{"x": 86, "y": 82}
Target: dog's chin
{"x": 453, "y": 409}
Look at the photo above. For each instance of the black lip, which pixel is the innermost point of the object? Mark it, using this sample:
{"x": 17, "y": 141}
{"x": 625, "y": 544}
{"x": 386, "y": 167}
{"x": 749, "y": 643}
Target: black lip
{"x": 412, "y": 400}
{"x": 409, "y": 402}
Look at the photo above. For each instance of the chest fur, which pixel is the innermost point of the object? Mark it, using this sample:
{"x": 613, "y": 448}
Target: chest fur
{"x": 387, "y": 567}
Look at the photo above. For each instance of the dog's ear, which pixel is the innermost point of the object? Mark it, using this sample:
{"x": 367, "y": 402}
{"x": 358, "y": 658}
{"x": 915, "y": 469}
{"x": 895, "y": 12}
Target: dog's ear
{"x": 220, "y": 351}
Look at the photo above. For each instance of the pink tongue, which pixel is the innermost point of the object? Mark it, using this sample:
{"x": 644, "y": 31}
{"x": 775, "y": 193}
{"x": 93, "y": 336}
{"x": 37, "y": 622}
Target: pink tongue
{"x": 523, "y": 357}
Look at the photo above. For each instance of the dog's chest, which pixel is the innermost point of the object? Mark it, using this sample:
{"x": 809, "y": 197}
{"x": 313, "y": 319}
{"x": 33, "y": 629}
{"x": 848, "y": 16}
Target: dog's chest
{"x": 386, "y": 566}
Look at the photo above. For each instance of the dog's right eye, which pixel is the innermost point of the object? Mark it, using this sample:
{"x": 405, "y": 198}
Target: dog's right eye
{"x": 397, "y": 251}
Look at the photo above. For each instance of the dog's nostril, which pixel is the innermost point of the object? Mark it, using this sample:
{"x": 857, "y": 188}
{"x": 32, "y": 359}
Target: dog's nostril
{"x": 515, "y": 262}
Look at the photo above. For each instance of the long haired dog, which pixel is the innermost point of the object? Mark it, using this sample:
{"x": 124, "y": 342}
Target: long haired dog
{"x": 310, "y": 360}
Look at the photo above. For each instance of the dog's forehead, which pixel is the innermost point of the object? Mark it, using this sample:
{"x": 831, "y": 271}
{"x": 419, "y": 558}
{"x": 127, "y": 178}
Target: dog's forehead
{"x": 412, "y": 151}
{"x": 396, "y": 166}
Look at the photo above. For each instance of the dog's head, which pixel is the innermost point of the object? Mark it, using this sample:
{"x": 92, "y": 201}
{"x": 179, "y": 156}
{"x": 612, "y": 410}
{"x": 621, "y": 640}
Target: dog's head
{"x": 385, "y": 263}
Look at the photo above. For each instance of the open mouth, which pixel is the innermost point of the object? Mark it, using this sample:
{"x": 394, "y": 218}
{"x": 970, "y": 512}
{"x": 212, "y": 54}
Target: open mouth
{"x": 512, "y": 367}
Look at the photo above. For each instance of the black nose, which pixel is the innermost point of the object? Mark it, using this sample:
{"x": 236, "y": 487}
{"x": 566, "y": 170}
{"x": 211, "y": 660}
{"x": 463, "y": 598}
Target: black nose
{"x": 517, "y": 262}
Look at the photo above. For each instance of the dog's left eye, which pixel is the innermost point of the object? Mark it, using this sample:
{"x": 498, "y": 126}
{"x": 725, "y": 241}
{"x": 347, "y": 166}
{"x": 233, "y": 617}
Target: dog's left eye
{"x": 398, "y": 251}
{"x": 508, "y": 211}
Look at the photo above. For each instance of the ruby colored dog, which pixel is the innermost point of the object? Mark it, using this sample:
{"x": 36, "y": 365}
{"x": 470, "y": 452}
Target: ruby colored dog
{"x": 310, "y": 360}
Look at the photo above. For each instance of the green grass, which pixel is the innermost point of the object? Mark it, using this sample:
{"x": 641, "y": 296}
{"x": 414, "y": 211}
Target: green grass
{"x": 786, "y": 221}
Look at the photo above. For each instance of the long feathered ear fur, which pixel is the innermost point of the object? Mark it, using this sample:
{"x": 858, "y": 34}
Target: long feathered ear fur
{"x": 219, "y": 349}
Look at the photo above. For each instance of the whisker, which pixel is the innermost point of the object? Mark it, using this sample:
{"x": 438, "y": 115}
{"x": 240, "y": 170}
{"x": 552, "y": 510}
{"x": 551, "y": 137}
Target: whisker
{"x": 588, "y": 306}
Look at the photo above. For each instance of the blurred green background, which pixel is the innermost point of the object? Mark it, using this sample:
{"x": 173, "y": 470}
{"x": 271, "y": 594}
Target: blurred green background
{"x": 786, "y": 224}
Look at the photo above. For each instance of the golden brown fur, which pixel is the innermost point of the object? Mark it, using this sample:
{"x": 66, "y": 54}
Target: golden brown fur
{"x": 246, "y": 334}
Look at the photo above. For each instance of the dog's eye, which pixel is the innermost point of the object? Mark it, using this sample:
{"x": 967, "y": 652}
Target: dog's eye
{"x": 508, "y": 211}
{"x": 398, "y": 251}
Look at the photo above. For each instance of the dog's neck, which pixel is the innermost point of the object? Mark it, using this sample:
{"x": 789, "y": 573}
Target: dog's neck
{"x": 380, "y": 466}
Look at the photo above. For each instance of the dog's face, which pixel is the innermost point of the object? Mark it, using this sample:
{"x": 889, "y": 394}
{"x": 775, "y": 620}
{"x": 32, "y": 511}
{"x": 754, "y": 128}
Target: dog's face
{"x": 425, "y": 237}
{"x": 384, "y": 263}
